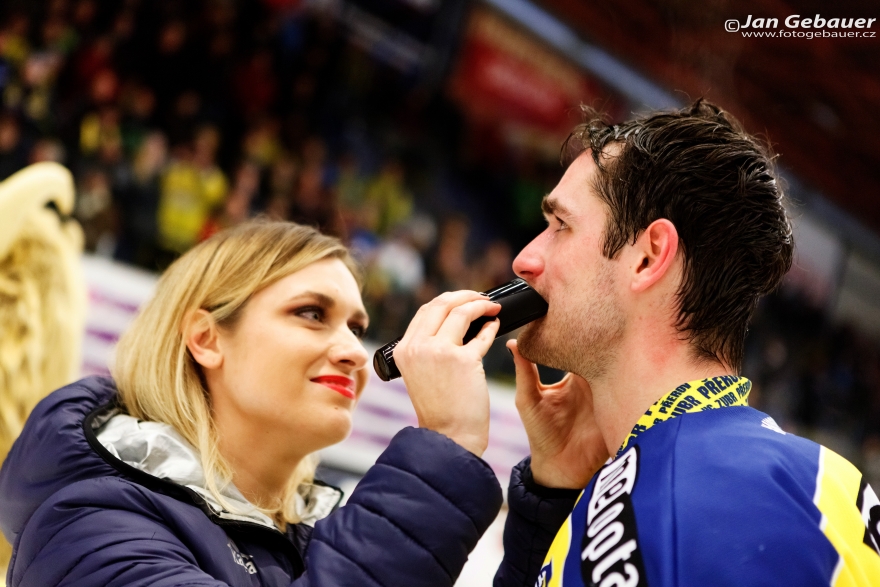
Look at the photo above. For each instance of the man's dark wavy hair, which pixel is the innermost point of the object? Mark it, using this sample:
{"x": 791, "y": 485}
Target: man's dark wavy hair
{"x": 699, "y": 169}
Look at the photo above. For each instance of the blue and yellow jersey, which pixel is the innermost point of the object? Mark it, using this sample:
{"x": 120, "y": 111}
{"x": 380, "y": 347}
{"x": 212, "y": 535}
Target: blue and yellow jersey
{"x": 708, "y": 491}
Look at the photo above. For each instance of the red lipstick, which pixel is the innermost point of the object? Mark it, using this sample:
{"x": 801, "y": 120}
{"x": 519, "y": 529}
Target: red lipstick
{"x": 338, "y": 383}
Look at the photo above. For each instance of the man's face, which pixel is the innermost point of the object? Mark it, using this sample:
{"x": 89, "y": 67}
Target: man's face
{"x": 566, "y": 266}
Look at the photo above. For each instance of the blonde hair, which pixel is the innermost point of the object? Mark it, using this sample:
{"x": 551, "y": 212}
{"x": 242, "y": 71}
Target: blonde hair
{"x": 157, "y": 378}
{"x": 42, "y": 296}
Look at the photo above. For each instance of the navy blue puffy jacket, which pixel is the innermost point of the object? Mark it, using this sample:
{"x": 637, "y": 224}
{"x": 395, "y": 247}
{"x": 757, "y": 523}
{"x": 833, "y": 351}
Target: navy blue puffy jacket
{"x": 77, "y": 518}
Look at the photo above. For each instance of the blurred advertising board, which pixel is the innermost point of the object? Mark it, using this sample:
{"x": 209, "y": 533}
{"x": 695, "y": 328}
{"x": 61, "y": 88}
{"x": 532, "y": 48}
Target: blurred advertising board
{"x": 506, "y": 77}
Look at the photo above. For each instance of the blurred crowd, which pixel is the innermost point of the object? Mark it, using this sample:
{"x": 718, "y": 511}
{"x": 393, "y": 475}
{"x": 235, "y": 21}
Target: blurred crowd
{"x": 181, "y": 118}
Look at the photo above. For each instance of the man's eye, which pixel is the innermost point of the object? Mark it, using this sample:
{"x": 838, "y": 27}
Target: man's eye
{"x": 562, "y": 225}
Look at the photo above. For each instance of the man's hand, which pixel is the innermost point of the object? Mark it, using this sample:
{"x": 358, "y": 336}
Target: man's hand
{"x": 445, "y": 379}
{"x": 566, "y": 444}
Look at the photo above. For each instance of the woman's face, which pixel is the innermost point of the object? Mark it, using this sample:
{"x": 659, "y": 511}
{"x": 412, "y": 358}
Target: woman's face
{"x": 294, "y": 366}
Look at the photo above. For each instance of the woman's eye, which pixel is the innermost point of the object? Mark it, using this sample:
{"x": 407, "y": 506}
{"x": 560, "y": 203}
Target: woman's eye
{"x": 315, "y": 314}
{"x": 359, "y": 331}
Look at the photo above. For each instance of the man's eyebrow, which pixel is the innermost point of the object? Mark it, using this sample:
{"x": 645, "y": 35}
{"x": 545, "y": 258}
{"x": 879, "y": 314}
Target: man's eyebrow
{"x": 551, "y": 207}
{"x": 327, "y": 302}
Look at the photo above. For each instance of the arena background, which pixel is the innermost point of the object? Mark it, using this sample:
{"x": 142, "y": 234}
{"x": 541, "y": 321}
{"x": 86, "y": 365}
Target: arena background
{"x": 425, "y": 133}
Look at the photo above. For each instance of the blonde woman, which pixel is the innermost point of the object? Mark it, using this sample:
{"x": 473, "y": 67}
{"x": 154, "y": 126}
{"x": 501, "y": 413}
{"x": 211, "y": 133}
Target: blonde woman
{"x": 193, "y": 465}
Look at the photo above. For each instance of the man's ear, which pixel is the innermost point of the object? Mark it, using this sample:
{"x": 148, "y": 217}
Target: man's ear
{"x": 655, "y": 251}
{"x": 201, "y": 335}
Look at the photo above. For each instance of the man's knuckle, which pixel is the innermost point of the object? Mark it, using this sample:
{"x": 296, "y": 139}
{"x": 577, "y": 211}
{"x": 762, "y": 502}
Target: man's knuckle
{"x": 437, "y": 351}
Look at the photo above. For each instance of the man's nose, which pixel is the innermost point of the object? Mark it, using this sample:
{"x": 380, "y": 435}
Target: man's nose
{"x": 529, "y": 264}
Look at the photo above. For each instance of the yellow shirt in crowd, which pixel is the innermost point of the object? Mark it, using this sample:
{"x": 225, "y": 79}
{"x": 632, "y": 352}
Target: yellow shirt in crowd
{"x": 189, "y": 194}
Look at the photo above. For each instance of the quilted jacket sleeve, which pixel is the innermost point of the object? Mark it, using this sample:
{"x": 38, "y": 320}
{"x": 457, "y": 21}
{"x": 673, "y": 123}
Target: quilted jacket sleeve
{"x": 536, "y": 514}
{"x": 412, "y": 520}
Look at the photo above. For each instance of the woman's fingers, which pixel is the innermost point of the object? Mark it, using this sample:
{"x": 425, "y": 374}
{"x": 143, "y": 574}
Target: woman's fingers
{"x": 459, "y": 319}
{"x": 445, "y": 380}
{"x": 431, "y": 316}
{"x": 485, "y": 337}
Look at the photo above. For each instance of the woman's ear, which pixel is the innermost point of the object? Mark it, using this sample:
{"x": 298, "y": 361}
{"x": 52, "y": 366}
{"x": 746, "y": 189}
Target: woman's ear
{"x": 201, "y": 335}
{"x": 655, "y": 248}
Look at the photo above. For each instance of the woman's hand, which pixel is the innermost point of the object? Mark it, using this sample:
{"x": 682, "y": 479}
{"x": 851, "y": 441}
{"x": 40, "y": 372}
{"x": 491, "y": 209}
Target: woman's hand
{"x": 566, "y": 444}
{"x": 445, "y": 379}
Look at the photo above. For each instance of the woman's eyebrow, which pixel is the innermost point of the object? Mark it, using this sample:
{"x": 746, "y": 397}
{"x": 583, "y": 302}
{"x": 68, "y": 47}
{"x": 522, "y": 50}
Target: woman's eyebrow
{"x": 326, "y": 301}
{"x": 322, "y": 299}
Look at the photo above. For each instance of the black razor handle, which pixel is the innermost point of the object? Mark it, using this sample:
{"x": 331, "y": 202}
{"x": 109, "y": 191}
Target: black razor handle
{"x": 520, "y": 304}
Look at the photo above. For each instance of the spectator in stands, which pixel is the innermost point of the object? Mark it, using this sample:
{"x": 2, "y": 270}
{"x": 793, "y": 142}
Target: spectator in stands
{"x": 389, "y": 198}
{"x": 138, "y": 104}
{"x": 237, "y": 206}
{"x": 12, "y": 148}
{"x": 94, "y": 210}
{"x": 138, "y": 200}
{"x": 396, "y": 273}
{"x": 192, "y": 186}
{"x": 451, "y": 269}
{"x": 282, "y": 182}
{"x": 97, "y": 129}
{"x": 184, "y": 118}
{"x": 261, "y": 144}
{"x": 47, "y": 149}
{"x": 313, "y": 203}
{"x": 194, "y": 465}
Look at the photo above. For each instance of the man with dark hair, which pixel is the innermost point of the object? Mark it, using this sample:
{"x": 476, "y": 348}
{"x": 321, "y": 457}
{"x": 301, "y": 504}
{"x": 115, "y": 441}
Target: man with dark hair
{"x": 647, "y": 466}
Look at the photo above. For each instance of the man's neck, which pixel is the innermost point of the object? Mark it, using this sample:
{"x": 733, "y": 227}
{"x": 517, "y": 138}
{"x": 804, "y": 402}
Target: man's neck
{"x": 642, "y": 372}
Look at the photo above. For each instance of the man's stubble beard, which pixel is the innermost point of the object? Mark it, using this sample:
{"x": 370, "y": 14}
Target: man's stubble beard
{"x": 580, "y": 336}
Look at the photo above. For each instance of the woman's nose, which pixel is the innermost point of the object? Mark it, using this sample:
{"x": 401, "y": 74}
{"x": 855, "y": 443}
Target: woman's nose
{"x": 348, "y": 350}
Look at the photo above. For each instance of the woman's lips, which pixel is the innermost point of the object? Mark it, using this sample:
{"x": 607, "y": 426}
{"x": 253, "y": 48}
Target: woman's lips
{"x": 338, "y": 383}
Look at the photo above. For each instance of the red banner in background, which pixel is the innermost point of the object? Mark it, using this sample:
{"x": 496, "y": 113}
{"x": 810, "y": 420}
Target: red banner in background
{"x": 507, "y": 77}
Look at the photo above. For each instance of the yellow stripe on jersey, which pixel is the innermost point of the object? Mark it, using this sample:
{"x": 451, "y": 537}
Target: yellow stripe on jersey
{"x": 837, "y": 492}
{"x": 554, "y": 562}
{"x": 557, "y": 554}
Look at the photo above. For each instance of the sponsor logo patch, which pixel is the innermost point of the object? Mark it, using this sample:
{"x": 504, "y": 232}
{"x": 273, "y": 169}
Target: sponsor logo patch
{"x": 869, "y": 507}
{"x": 610, "y": 555}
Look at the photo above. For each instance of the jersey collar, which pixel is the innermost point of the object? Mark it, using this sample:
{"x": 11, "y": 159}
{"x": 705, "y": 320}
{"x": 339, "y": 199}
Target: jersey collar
{"x": 693, "y": 396}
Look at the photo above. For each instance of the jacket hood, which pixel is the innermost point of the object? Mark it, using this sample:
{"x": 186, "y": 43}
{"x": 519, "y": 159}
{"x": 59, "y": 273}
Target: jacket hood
{"x": 55, "y": 450}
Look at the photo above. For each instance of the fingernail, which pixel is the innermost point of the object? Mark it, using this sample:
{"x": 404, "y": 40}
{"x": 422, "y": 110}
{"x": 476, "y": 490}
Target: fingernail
{"x": 509, "y": 351}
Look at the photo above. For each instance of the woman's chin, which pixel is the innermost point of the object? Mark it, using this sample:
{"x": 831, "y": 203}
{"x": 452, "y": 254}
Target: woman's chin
{"x": 337, "y": 426}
